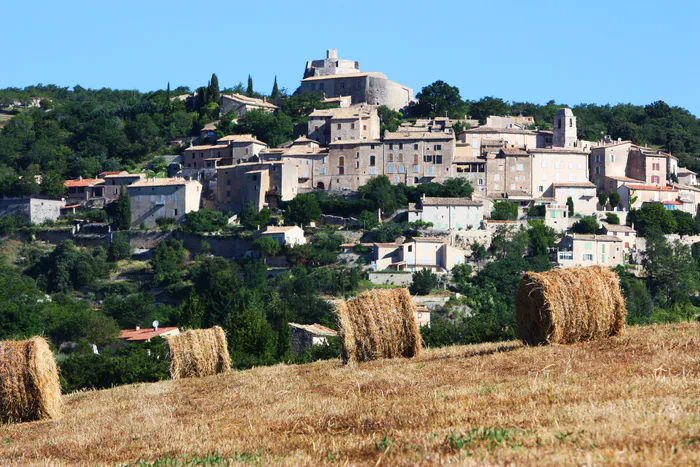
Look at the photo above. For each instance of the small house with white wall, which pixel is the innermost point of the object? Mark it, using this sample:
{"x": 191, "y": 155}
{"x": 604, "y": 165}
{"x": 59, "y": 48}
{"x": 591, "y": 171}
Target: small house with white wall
{"x": 590, "y": 250}
{"x": 287, "y": 235}
{"x": 627, "y": 234}
{"x": 448, "y": 213}
{"x": 420, "y": 253}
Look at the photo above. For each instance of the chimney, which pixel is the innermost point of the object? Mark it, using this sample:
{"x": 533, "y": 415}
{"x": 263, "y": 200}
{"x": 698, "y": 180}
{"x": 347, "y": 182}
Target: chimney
{"x": 138, "y": 328}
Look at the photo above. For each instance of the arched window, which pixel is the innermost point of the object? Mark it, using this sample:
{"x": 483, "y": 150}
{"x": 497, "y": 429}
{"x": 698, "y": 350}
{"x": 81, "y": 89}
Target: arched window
{"x": 415, "y": 158}
{"x": 391, "y": 157}
{"x": 400, "y": 158}
{"x": 341, "y": 161}
{"x": 341, "y": 165}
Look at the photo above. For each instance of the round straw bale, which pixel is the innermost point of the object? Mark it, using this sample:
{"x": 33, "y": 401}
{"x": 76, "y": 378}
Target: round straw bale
{"x": 568, "y": 305}
{"x": 379, "y": 323}
{"x": 199, "y": 352}
{"x": 29, "y": 385}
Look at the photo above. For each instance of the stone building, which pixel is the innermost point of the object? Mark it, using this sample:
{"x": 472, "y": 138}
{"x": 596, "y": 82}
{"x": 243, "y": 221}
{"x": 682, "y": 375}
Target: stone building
{"x": 436, "y": 254}
{"x": 509, "y": 171}
{"x": 557, "y": 165}
{"x": 589, "y": 250}
{"x": 154, "y": 198}
{"x": 34, "y": 210}
{"x": 471, "y": 168}
{"x": 448, "y": 213}
{"x": 565, "y": 132}
{"x": 82, "y": 190}
{"x": 231, "y": 149}
{"x": 260, "y": 183}
{"x": 336, "y": 78}
{"x": 358, "y": 122}
{"x": 306, "y": 155}
{"x": 489, "y": 139}
{"x": 414, "y": 158}
{"x": 243, "y": 104}
{"x": 114, "y": 182}
{"x": 305, "y": 336}
{"x": 348, "y": 165}
{"x": 583, "y": 195}
{"x": 291, "y": 235}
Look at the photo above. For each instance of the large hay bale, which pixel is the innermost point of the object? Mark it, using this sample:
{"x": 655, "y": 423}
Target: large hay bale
{"x": 568, "y": 305}
{"x": 29, "y": 385}
{"x": 199, "y": 352}
{"x": 379, "y": 323}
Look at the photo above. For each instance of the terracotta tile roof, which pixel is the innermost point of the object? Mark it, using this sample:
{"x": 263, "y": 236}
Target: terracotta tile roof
{"x": 609, "y": 145}
{"x": 84, "y": 182}
{"x": 135, "y": 335}
{"x": 429, "y": 240}
{"x": 576, "y": 151}
{"x": 354, "y": 142}
{"x": 633, "y": 186}
{"x": 283, "y": 229}
{"x": 673, "y": 202}
{"x": 486, "y": 129}
{"x": 622, "y": 178}
{"x": 206, "y": 147}
{"x": 514, "y": 152}
{"x": 683, "y": 170}
{"x": 616, "y": 227}
{"x": 599, "y": 238}
{"x": 146, "y": 182}
{"x": 123, "y": 175}
{"x": 117, "y": 172}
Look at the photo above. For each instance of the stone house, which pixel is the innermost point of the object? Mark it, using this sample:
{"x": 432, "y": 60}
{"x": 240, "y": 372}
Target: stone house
{"x": 260, "y": 183}
{"x": 583, "y": 194}
{"x": 635, "y": 195}
{"x": 607, "y": 161}
{"x": 686, "y": 176}
{"x": 509, "y": 171}
{"x": 243, "y": 104}
{"x": 448, "y": 213}
{"x": 305, "y": 336}
{"x": 34, "y": 210}
{"x": 288, "y": 235}
{"x": 420, "y": 253}
{"x": 154, "y": 198}
{"x": 306, "y": 155}
{"x": 114, "y": 182}
{"x": 358, "y": 122}
{"x": 415, "y": 158}
{"x": 557, "y": 165}
{"x": 229, "y": 150}
{"x": 82, "y": 190}
{"x": 348, "y": 165}
{"x": 615, "y": 163}
{"x": 471, "y": 168}
{"x": 589, "y": 250}
{"x": 484, "y": 138}
{"x": 627, "y": 234}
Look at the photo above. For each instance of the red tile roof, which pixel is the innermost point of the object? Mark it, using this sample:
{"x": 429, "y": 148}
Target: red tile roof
{"x": 83, "y": 182}
{"x": 136, "y": 335}
{"x": 633, "y": 186}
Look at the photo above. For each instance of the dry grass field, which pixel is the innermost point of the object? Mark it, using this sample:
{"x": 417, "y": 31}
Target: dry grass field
{"x": 632, "y": 400}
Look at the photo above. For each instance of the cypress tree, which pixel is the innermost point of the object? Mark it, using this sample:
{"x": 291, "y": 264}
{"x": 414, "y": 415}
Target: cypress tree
{"x": 214, "y": 88}
{"x": 249, "y": 91}
{"x": 168, "y": 107}
{"x": 275, "y": 90}
{"x": 123, "y": 210}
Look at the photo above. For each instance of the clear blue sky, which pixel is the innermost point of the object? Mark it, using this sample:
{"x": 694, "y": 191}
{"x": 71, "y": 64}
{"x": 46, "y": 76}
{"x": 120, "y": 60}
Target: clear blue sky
{"x": 572, "y": 51}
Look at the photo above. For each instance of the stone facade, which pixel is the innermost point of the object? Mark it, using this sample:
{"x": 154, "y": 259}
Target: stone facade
{"x": 241, "y": 104}
{"x": 349, "y": 165}
{"x": 414, "y": 158}
{"x": 231, "y": 149}
{"x": 257, "y": 182}
{"x": 448, "y": 213}
{"x": 565, "y": 132}
{"x": 358, "y": 122}
{"x": 583, "y": 195}
{"x": 35, "y": 210}
{"x": 305, "y": 336}
{"x": 114, "y": 182}
{"x": 509, "y": 172}
{"x": 557, "y": 165}
{"x": 154, "y": 198}
{"x": 337, "y": 78}
{"x": 590, "y": 250}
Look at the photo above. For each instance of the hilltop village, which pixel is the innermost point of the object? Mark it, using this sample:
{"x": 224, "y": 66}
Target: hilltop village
{"x": 177, "y": 210}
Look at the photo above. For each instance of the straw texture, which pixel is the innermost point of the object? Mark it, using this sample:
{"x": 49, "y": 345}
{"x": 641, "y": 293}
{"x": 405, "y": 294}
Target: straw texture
{"x": 200, "y": 352}
{"x": 29, "y": 385}
{"x": 379, "y": 323}
{"x": 569, "y": 305}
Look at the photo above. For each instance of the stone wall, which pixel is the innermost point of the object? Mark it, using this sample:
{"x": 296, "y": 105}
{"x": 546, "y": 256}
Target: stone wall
{"x": 226, "y": 246}
{"x": 401, "y": 279}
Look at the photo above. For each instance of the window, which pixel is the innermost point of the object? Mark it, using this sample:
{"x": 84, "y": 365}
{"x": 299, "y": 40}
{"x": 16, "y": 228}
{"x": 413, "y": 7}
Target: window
{"x": 512, "y": 186}
{"x": 340, "y": 125}
{"x": 400, "y": 158}
{"x": 391, "y": 146}
{"x": 571, "y": 123}
{"x": 364, "y": 127}
{"x": 480, "y": 182}
{"x": 597, "y": 157}
{"x": 556, "y": 165}
{"x": 544, "y": 163}
{"x": 655, "y": 166}
{"x": 357, "y": 155}
{"x": 400, "y": 145}
{"x": 323, "y": 170}
{"x": 654, "y": 179}
{"x": 401, "y": 169}
{"x": 153, "y": 198}
{"x": 588, "y": 257}
{"x": 540, "y": 188}
{"x": 138, "y": 198}
{"x": 495, "y": 186}
{"x": 602, "y": 248}
{"x": 475, "y": 143}
{"x": 341, "y": 161}
{"x": 372, "y": 160}
{"x": 588, "y": 246}
{"x": 438, "y": 147}
{"x": 396, "y": 179}
{"x": 175, "y": 197}
{"x": 438, "y": 159}
{"x": 357, "y": 164}
{"x": 415, "y": 169}
{"x": 566, "y": 255}
{"x": 497, "y": 177}
{"x": 390, "y": 158}
{"x": 352, "y": 126}
{"x": 373, "y": 170}
{"x": 571, "y": 165}
{"x": 175, "y": 212}
{"x": 415, "y": 158}
{"x": 325, "y": 160}
{"x": 597, "y": 170}
{"x": 391, "y": 169}
{"x": 612, "y": 157}
{"x": 415, "y": 146}
{"x": 521, "y": 167}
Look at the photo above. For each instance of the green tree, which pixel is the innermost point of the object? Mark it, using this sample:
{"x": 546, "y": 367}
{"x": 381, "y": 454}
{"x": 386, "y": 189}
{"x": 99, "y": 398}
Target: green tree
{"x": 52, "y": 185}
{"x": 122, "y": 210}
{"x": 214, "y": 93}
{"x": 488, "y": 106}
{"x": 637, "y": 300}
{"x": 602, "y": 199}
{"x": 253, "y": 219}
{"x": 585, "y": 225}
{"x": 167, "y": 261}
{"x": 612, "y": 218}
{"x": 652, "y": 216}
{"x": 120, "y": 248}
{"x": 368, "y": 220}
{"x": 272, "y": 128}
{"x": 570, "y": 205}
{"x": 614, "y": 199}
{"x": 670, "y": 267}
{"x": 204, "y": 220}
{"x": 504, "y": 211}
{"x": 249, "y": 90}
{"x": 302, "y": 210}
{"x": 423, "y": 282}
{"x": 267, "y": 246}
{"x": 191, "y": 312}
{"x": 383, "y": 194}
{"x": 388, "y": 119}
{"x": 388, "y": 232}
{"x": 439, "y": 99}
{"x": 275, "y": 94}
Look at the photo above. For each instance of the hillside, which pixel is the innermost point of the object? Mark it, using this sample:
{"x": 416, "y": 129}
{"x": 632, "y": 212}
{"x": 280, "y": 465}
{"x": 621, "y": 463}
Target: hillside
{"x": 628, "y": 400}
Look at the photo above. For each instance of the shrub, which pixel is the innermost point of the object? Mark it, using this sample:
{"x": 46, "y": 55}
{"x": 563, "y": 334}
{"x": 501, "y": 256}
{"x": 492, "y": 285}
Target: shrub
{"x": 612, "y": 218}
{"x": 423, "y": 282}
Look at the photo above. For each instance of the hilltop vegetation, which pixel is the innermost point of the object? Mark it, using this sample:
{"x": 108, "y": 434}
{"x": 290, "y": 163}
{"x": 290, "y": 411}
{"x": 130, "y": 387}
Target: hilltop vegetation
{"x": 630, "y": 400}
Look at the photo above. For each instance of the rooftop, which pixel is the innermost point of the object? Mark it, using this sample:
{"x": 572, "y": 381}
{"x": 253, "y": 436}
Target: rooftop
{"x": 557, "y": 151}
{"x": 616, "y": 227}
{"x": 416, "y": 136}
{"x": 315, "y": 329}
{"x": 241, "y": 99}
{"x": 145, "y": 334}
{"x": 240, "y": 139}
{"x": 633, "y": 186}
{"x": 435, "y": 201}
{"x": 206, "y": 147}
{"x": 488, "y": 129}
{"x": 122, "y": 175}
{"x": 154, "y": 182}
{"x": 282, "y": 229}
{"x": 598, "y": 238}
{"x": 83, "y": 182}
{"x": 344, "y": 75}
{"x": 574, "y": 185}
